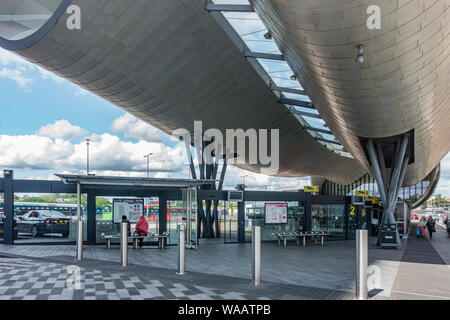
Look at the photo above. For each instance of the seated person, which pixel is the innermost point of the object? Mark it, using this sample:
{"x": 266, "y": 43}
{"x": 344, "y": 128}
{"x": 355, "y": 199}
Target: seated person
{"x": 142, "y": 229}
{"x": 125, "y": 219}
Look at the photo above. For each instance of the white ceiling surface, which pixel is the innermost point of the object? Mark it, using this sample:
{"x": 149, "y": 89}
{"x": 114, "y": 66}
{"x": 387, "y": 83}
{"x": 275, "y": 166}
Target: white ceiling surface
{"x": 169, "y": 63}
{"x": 21, "y": 18}
{"x": 402, "y": 85}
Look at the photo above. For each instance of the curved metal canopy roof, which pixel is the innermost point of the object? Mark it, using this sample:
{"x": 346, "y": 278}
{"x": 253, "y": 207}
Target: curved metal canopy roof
{"x": 172, "y": 62}
{"x": 403, "y": 85}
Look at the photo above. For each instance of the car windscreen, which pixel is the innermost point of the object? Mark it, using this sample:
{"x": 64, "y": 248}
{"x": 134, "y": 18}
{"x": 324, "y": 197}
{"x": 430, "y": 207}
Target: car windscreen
{"x": 53, "y": 214}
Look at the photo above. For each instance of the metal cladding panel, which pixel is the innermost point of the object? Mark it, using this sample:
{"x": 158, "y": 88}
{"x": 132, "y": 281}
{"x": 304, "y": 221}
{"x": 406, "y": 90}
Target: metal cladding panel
{"x": 402, "y": 85}
{"x": 169, "y": 63}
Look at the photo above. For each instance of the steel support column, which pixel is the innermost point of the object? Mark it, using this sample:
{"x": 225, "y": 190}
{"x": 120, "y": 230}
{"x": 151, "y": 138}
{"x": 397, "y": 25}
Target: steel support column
{"x": 91, "y": 217}
{"x": 389, "y": 190}
{"x": 308, "y": 214}
{"x": 162, "y": 212}
{"x": 8, "y": 194}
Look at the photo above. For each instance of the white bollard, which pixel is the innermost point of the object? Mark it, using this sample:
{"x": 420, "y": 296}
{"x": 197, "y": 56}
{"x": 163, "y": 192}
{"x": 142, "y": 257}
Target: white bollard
{"x": 80, "y": 240}
{"x": 256, "y": 255}
{"x": 181, "y": 250}
{"x": 362, "y": 261}
{"x": 124, "y": 244}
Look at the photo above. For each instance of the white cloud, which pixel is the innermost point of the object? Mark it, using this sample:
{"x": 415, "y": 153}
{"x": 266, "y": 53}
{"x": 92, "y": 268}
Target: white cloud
{"x": 16, "y": 75}
{"x": 133, "y": 127}
{"x": 107, "y": 153}
{"x": 23, "y": 72}
{"x": 62, "y": 129}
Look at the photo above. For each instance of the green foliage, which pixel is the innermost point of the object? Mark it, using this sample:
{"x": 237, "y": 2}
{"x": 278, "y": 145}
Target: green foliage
{"x": 68, "y": 199}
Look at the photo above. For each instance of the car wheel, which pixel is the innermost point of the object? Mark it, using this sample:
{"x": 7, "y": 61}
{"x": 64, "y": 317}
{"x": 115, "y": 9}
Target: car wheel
{"x": 34, "y": 232}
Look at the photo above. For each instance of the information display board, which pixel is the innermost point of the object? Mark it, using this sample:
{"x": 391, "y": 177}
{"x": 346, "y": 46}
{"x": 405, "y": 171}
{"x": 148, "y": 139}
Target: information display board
{"x": 133, "y": 209}
{"x": 276, "y": 213}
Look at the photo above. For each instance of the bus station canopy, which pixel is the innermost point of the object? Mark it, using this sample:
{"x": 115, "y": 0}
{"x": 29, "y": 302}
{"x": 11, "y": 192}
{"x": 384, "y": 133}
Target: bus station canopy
{"x": 132, "y": 181}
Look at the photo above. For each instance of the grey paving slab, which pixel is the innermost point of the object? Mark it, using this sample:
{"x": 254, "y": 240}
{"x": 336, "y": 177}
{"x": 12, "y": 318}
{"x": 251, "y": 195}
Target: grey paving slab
{"x": 329, "y": 267}
{"x": 423, "y": 273}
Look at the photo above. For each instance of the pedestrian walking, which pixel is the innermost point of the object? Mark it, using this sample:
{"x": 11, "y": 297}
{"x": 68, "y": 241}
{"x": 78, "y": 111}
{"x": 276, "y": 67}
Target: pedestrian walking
{"x": 431, "y": 226}
{"x": 421, "y": 227}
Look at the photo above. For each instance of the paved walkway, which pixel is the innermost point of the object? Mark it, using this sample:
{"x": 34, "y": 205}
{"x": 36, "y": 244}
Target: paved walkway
{"x": 53, "y": 278}
{"x": 312, "y": 272}
{"x": 329, "y": 267}
{"x": 423, "y": 273}
{"x": 218, "y": 271}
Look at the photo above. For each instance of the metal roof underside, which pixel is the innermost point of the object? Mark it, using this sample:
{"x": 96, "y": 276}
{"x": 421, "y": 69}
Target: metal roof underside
{"x": 132, "y": 181}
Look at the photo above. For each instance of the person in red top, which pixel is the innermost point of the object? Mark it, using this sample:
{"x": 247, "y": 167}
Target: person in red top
{"x": 142, "y": 229}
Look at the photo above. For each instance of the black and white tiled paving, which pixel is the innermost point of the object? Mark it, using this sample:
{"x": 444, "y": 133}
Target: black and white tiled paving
{"x": 26, "y": 279}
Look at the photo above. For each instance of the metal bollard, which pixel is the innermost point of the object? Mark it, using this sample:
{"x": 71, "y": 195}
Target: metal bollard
{"x": 124, "y": 244}
{"x": 361, "y": 264}
{"x": 181, "y": 250}
{"x": 80, "y": 240}
{"x": 256, "y": 255}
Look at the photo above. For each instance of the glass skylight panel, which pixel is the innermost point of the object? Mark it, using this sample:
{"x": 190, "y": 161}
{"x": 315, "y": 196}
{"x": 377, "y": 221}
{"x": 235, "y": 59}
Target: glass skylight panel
{"x": 252, "y": 30}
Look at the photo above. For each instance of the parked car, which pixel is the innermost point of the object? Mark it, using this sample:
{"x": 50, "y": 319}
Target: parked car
{"x": 40, "y": 222}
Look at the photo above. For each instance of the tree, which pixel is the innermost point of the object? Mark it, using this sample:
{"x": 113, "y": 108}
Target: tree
{"x": 101, "y": 202}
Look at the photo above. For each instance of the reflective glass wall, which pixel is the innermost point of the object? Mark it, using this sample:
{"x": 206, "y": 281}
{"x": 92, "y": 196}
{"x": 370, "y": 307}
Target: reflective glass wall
{"x": 329, "y": 218}
{"x": 44, "y": 218}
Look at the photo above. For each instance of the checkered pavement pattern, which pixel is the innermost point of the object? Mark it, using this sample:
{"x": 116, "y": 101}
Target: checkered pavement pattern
{"x": 25, "y": 279}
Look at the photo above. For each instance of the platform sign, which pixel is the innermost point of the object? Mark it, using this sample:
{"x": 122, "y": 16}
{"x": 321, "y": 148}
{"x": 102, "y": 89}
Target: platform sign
{"x": 133, "y": 209}
{"x": 276, "y": 213}
{"x": 311, "y": 189}
{"x": 362, "y": 192}
{"x": 374, "y": 199}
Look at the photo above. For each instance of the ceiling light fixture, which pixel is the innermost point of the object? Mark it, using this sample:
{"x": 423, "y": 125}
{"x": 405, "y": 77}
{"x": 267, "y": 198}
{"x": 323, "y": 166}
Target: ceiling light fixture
{"x": 294, "y": 77}
{"x": 267, "y": 35}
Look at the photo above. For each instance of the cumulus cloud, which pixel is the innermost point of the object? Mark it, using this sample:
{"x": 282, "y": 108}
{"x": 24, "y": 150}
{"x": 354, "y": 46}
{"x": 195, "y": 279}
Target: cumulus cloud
{"x": 255, "y": 181}
{"x": 23, "y": 72}
{"x": 133, "y": 127}
{"x": 62, "y": 129}
{"x": 107, "y": 154}
{"x": 17, "y": 76}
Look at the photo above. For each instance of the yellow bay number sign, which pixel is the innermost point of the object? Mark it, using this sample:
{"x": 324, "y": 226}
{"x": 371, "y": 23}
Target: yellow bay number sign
{"x": 362, "y": 192}
{"x": 311, "y": 189}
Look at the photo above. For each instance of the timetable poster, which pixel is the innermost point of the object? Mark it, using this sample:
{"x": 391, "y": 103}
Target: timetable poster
{"x": 276, "y": 213}
{"x": 133, "y": 209}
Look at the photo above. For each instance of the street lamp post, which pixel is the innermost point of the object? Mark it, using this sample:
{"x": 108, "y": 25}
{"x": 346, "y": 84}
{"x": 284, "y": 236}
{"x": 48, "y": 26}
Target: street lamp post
{"x": 148, "y": 175}
{"x": 187, "y": 165}
{"x": 148, "y": 164}
{"x": 87, "y": 155}
{"x": 244, "y": 179}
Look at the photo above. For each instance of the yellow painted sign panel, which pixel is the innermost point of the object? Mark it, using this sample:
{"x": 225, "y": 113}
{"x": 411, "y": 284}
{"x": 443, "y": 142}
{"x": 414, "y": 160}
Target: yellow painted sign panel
{"x": 374, "y": 199}
{"x": 311, "y": 189}
{"x": 362, "y": 192}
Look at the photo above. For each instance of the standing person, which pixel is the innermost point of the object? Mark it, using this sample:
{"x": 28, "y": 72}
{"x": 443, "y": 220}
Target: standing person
{"x": 421, "y": 226}
{"x": 374, "y": 223}
{"x": 142, "y": 229}
{"x": 430, "y": 226}
{"x": 125, "y": 219}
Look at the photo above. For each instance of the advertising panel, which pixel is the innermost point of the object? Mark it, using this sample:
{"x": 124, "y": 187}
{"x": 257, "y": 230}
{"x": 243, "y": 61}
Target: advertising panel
{"x": 276, "y": 213}
{"x": 133, "y": 209}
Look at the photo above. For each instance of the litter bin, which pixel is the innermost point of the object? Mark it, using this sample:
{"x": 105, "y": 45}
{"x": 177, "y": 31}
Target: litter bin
{"x": 389, "y": 235}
